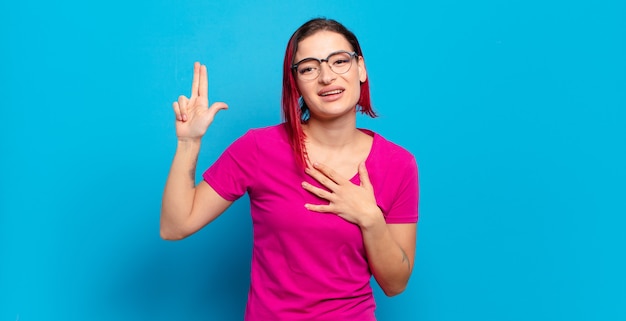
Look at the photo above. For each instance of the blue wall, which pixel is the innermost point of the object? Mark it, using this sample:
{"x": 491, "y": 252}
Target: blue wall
{"x": 515, "y": 111}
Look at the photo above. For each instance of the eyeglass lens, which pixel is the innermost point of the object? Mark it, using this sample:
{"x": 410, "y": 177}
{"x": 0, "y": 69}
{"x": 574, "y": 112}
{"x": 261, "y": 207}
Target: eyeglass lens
{"x": 339, "y": 63}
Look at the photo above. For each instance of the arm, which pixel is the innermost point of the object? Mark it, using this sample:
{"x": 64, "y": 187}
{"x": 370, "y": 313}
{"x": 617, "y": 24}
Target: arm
{"x": 185, "y": 207}
{"x": 390, "y": 247}
{"x": 391, "y": 253}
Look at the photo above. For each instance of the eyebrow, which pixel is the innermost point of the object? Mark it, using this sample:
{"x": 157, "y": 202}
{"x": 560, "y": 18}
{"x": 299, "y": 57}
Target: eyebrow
{"x": 297, "y": 61}
{"x": 312, "y": 57}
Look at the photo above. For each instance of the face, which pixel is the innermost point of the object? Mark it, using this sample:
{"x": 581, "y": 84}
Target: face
{"x": 330, "y": 95}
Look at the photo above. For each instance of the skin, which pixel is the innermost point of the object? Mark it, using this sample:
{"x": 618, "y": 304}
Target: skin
{"x": 337, "y": 149}
{"x": 186, "y": 208}
{"x": 336, "y": 152}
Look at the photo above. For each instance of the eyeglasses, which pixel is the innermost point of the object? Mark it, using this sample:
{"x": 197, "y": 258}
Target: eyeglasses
{"x": 309, "y": 68}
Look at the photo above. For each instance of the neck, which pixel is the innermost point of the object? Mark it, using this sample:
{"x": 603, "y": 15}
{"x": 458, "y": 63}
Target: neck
{"x": 334, "y": 135}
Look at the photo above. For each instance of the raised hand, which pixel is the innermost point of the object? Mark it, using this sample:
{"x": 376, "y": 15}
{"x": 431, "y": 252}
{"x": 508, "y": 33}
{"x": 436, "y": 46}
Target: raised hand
{"x": 193, "y": 114}
{"x": 353, "y": 203}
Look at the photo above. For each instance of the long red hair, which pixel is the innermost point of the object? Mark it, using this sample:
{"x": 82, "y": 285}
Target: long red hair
{"x": 295, "y": 111}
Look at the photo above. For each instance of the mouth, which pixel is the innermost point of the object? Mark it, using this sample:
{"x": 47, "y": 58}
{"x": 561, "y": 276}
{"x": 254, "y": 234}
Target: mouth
{"x": 331, "y": 92}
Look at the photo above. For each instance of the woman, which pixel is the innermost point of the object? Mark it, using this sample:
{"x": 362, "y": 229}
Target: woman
{"x": 331, "y": 204}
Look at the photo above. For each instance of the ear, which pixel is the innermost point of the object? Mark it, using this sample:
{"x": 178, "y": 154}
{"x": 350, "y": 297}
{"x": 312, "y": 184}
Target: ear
{"x": 362, "y": 70}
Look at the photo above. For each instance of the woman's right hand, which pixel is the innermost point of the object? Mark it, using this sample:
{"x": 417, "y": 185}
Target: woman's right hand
{"x": 193, "y": 114}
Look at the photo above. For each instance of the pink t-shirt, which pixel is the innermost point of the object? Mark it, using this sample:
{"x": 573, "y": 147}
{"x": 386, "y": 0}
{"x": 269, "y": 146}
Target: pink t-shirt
{"x": 308, "y": 265}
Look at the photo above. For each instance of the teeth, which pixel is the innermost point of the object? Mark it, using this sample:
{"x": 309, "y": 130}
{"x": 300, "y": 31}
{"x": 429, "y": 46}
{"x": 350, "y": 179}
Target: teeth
{"x": 332, "y": 92}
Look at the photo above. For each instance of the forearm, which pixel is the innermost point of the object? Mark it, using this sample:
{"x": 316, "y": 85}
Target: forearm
{"x": 179, "y": 192}
{"x": 390, "y": 264}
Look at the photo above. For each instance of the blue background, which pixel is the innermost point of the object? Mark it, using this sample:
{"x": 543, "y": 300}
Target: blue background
{"x": 514, "y": 110}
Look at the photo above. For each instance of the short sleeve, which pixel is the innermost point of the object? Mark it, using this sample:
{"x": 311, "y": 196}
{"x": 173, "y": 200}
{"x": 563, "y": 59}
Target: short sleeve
{"x": 231, "y": 174}
{"x": 404, "y": 206}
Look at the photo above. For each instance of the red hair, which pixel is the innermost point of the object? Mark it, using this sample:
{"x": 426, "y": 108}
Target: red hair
{"x": 295, "y": 111}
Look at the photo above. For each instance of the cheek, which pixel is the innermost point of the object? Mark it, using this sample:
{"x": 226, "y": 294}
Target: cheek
{"x": 303, "y": 87}
{"x": 356, "y": 91}
{"x": 356, "y": 98}
{"x": 304, "y": 91}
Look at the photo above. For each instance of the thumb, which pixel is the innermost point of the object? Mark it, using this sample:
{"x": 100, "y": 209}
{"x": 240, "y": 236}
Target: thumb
{"x": 215, "y": 107}
{"x": 364, "y": 177}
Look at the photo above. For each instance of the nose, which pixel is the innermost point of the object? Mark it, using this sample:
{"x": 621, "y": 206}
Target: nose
{"x": 326, "y": 74}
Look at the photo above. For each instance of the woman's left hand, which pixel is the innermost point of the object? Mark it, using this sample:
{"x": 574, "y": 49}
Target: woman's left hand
{"x": 353, "y": 203}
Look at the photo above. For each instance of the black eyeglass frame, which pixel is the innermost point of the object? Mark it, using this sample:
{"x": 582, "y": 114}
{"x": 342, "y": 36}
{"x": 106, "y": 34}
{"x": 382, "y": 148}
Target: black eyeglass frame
{"x": 352, "y": 55}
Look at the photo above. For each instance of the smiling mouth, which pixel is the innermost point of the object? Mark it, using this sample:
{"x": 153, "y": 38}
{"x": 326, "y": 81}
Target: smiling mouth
{"x": 332, "y": 92}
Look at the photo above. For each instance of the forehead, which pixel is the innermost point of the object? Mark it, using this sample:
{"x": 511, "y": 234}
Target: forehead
{"x": 321, "y": 44}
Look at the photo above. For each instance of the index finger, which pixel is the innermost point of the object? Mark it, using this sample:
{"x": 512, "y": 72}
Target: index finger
{"x": 329, "y": 173}
{"x": 204, "y": 82}
{"x": 196, "y": 78}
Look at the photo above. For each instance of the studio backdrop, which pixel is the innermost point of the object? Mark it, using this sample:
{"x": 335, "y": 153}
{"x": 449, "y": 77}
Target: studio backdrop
{"x": 514, "y": 110}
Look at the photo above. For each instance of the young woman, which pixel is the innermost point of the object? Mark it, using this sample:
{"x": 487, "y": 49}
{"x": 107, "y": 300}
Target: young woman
{"x": 331, "y": 204}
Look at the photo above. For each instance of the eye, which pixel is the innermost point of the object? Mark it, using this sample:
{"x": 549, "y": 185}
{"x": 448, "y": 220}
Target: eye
{"x": 340, "y": 61}
{"x": 304, "y": 70}
{"x": 307, "y": 67}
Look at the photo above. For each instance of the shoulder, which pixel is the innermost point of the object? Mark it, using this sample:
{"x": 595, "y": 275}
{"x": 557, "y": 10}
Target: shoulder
{"x": 390, "y": 163}
{"x": 386, "y": 150}
{"x": 394, "y": 175}
{"x": 274, "y": 132}
{"x": 262, "y": 135}
{"x": 263, "y": 141}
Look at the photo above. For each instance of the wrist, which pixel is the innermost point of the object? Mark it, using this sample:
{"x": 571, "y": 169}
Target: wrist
{"x": 373, "y": 221}
{"x": 188, "y": 146}
{"x": 189, "y": 140}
